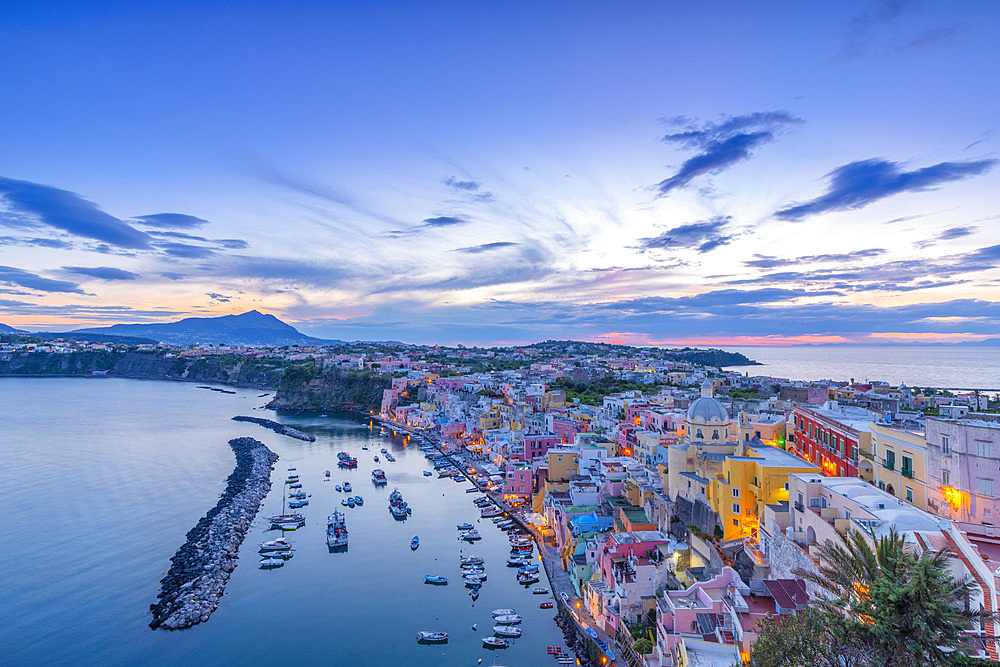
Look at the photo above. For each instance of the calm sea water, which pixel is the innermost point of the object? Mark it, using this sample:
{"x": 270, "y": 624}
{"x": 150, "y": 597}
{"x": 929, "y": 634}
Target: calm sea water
{"x": 101, "y": 478}
{"x": 918, "y": 366}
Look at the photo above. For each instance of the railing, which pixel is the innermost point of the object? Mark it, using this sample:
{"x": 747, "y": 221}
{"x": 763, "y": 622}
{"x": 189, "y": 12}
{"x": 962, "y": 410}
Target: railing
{"x": 799, "y": 506}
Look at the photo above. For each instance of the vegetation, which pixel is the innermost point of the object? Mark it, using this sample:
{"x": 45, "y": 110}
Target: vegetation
{"x": 887, "y": 606}
{"x": 594, "y": 391}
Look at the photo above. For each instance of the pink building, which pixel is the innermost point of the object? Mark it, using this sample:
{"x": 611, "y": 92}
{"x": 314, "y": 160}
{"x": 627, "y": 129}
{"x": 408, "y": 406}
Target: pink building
{"x": 517, "y": 483}
{"x": 566, "y": 429}
{"x": 538, "y": 444}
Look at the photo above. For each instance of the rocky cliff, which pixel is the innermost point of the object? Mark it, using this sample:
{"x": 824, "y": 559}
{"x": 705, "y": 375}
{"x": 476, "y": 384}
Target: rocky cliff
{"x": 307, "y": 387}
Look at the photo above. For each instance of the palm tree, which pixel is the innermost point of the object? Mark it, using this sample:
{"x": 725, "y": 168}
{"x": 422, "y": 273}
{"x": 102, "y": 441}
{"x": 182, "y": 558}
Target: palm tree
{"x": 905, "y": 607}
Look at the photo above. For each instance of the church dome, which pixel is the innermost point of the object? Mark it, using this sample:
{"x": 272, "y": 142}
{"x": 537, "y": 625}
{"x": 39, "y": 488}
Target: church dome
{"x": 707, "y": 410}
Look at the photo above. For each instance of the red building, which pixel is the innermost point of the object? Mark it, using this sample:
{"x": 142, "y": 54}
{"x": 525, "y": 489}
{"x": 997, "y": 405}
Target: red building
{"x": 829, "y": 436}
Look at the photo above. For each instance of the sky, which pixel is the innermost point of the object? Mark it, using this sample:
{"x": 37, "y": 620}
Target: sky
{"x": 726, "y": 173}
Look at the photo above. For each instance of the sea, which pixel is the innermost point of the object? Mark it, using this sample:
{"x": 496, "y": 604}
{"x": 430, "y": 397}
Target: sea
{"x": 943, "y": 366}
{"x": 101, "y": 478}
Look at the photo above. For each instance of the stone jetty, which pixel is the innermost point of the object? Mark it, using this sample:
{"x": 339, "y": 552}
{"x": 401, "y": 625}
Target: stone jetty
{"x": 280, "y": 429}
{"x": 200, "y": 569}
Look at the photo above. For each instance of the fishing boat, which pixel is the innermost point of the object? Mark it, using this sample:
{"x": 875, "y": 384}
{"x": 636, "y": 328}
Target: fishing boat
{"x": 471, "y": 535}
{"x": 378, "y": 477}
{"x": 414, "y": 543}
{"x": 295, "y": 485}
{"x": 298, "y": 493}
{"x": 347, "y": 487}
{"x": 472, "y": 582}
{"x": 539, "y": 591}
{"x": 471, "y": 560}
{"x": 470, "y": 576}
{"x": 465, "y": 526}
{"x": 327, "y": 473}
{"x": 490, "y": 513}
{"x": 275, "y": 545}
{"x": 300, "y": 502}
{"x": 358, "y": 500}
{"x": 427, "y": 473}
{"x": 507, "y": 631}
{"x": 514, "y": 561}
{"x": 376, "y": 459}
{"x": 525, "y": 579}
{"x": 336, "y": 530}
{"x": 507, "y": 619}
{"x": 502, "y": 612}
{"x": 427, "y": 637}
{"x": 343, "y": 501}
{"x": 351, "y": 502}
{"x": 545, "y": 605}
{"x": 495, "y": 642}
{"x": 338, "y": 487}
{"x": 292, "y": 478}
{"x": 435, "y": 579}
{"x": 384, "y": 450}
{"x": 268, "y": 563}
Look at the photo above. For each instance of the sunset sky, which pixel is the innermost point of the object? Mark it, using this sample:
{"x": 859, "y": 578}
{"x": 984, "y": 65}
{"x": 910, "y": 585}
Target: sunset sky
{"x": 731, "y": 173}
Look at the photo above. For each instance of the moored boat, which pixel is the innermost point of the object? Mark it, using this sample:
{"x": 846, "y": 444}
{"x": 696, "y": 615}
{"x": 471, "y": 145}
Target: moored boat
{"x": 539, "y": 591}
{"x": 275, "y": 545}
{"x": 428, "y": 637}
{"x": 268, "y": 563}
{"x": 507, "y": 631}
{"x": 347, "y": 487}
{"x": 502, "y": 612}
{"x": 378, "y": 477}
{"x": 414, "y": 543}
{"x": 507, "y": 619}
{"x": 465, "y": 526}
{"x": 435, "y": 579}
{"x": 494, "y": 642}
{"x": 336, "y": 530}
{"x": 545, "y": 605}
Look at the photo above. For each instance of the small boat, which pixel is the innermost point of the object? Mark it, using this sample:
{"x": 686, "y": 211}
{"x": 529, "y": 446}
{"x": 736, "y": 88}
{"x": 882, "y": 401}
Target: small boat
{"x": 513, "y": 561}
{"x": 495, "y": 642}
{"x": 384, "y": 450}
{"x": 268, "y": 563}
{"x": 295, "y": 504}
{"x": 592, "y": 633}
{"x": 545, "y": 605}
{"x": 378, "y": 477}
{"x": 507, "y": 619}
{"x": 343, "y": 501}
{"x": 465, "y": 526}
{"x": 350, "y": 502}
{"x": 359, "y": 500}
{"x": 284, "y": 555}
{"x": 539, "y": 591}
{"x": 376, "y": 459}
{"x": 298, "y": 493}
{"x": 336, "y": 531}
{"x": 292, "y": 478}
{"x": 427, "y": 637}
{"x": 414, "y": 543}
{"x": 472, "y": 582}
{"x": 471, "y": 560}
{"x": 427, "y": 473}
{"x": 472, "y": 490}
{"x": 502, "y": 612}
{"x": 524, "y": 580}
{"x": 275, "y": 545}
{"x": 327, "y": 474}
{"x": 338, "y": 487}
{"x": 347, "y": 487}
{"x": 507, "y": 631}
{"x": 471, "y": 535}
{"x": 296, "y": 485}
{"x": 435, "y": 579}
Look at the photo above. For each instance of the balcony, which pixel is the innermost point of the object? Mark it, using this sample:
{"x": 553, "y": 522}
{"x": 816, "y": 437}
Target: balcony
{"x": 799, "y": 506}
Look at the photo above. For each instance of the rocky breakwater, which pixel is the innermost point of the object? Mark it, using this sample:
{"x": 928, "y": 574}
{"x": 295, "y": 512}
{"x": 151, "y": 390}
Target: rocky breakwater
{"x": 193, "y": 587}
{"x": 280, "y": 429}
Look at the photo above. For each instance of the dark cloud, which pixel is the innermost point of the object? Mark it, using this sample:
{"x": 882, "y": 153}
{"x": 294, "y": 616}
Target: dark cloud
{"x": 858, "y": 184}
{"x": 102, "y": 272}
{"x": 69, "y": 212}
{"x": 486, "y": 247}
{"x": 232, "y": 244}
{"x": 219, "y": 298}
{"x": 170, "y": 220}
{"x": 949, "y": 234}
{"x": 721, "y": 143}
{"x": 445, "y": 221}
{"x": 36, "y": 242}
{"x": 457, "y": 185}
{"x": 13, "y": 276}
{"x": 704, "y": 236}
{"x": 768, "y": 262}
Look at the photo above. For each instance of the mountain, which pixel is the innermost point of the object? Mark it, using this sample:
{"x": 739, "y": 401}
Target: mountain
{"x": 5, "y": 329}
{"x": 250, "y": 328}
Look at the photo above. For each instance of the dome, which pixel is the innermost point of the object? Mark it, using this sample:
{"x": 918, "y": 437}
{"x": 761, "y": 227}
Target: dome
{"x": 707, "y": 410}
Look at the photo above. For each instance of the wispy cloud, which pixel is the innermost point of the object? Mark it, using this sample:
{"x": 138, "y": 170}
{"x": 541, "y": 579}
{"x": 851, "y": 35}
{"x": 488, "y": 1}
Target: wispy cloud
{"x": 170, "y": 221}
{"x": 461, "y": 186}
{"x": 703, "y": 236}
{"x": 35, "y": 242}
{"x": 486, "y": 247}
{"x": 69, "y": 212}
{"x": 13, "y": 276}
{"x": 768, "y": 262}
{"x": 721, "y": 144}
{"x": 879, "y": 32}
{"x": 949, "y": 234}
{"x": 858, "y": 184}
{"x": 437, "y": 222}
{"x": 102, "y": 272}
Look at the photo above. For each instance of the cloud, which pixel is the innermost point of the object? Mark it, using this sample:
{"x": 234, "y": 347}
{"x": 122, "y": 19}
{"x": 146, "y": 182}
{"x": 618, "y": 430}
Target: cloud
{"x": 457, "y": 185}
{"x": 949, "y": 234}
{"x": 858, "y": 184}
{"x": 704, "y": 236}
{"x": 69, "y": 212}
{"x": 102, "y": 272}
{"x": 170, "y": 220}
{"x": 185, "y": 250}
{"x": 13, "y": 276}
{"x": 721, "y": 143}
{"x": 37, "y": 242}
{"x": 485, "y": 247}
{"x": 229, "y": 244}
{"x": 445, "y": 221}
{"x": 768, "y": 262}
{"x": 219, "y": 298}
{"x": 877, "y": 32}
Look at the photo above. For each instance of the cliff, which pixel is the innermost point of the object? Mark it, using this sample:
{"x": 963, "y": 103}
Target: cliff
{"x": 306, "y": 387}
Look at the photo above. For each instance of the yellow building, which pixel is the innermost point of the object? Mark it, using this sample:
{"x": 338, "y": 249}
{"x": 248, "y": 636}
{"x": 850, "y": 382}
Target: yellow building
{"x": 757, "y": 477}
{"x": 896, "y": 462}
{"x": 563, "y": 464}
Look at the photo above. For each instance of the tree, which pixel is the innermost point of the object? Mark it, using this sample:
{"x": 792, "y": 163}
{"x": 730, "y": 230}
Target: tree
{"x": 643, "y": 645}
{"x": 812, "y": 637}
{"x": 900, "y": 607}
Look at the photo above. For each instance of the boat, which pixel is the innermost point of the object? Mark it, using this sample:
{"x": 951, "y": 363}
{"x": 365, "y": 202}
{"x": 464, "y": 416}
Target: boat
{"x": 284, "y": 555}
{"x": 295, "y": 504}
{"x": 343, "y": 501}
{"x": 465, "y": 526}
{"x": 347, "y": 487}
{"x": 338, "y": 487}
{"x": 415, "y": 542}
{"x": 514, "y": 561}
{"x": 472, "y": 490}
{"x": 296, "y": 485}
{"x": 275, "y": 545}
{"x": 268, "y": 563}
{"x": 502, "y": 612}
{"x": 281, "y": 519}
{"x": 336, "y": 530}
{"x": 376, "y": 459}
{"x": 539, "y": 591}
{"x": 427, "y": 473}
{"x": 471, "y": 560}
{"x": 427, "y": 637}
{"x": 378, "y": 477}
{"x": 545, "y": 605}
{"x": 435, "y": 579}
{"x": 327, "y": 473}
{"x": 472, "y": 582}
{"x": 490, "y": 513}
{"x": 526, "y": 579}
{"x": 298, "y": 493}
{"x": 358, "y": 500}
{"x": 350, "y": 502}
{"x": 384, "y": 450}
{"x": 507, "y": 631}
{"x": 471, "y": 535}
{"x": 507, "y": 619}
{"x": 292, "y": 478}
{"x": 495, "y": 642}
{"x": 592, "y": 633}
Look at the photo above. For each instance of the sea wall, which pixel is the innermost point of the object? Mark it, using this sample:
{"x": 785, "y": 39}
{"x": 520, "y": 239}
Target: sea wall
{"x": 199, "y": 570}
{"x": 280, "y": 429}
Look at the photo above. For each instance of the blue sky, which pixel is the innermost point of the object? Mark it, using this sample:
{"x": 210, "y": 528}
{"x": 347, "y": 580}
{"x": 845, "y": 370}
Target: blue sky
{"x": 493, "y": 172}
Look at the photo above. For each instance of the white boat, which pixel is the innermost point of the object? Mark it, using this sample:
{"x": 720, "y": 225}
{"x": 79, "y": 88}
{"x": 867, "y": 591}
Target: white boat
{"x": 271, "y": 562}
{"x": 502, "y": 612}
{"x": 336, "y": 530}
{"x": 338, "y": 487}
{"x": 495, "y": 642}
{"x": 465, "y": 526}
{"x": 471, "y": 535}
{"x": 539, "y": 591}
{"x": 471, "y": 560}
{"x": 507, "y": 619}
{"x": 507, "y": 630}
{"x": 428, "y": 637}
{"x": 347, "y": 487}
{"x": 275, "y": 545}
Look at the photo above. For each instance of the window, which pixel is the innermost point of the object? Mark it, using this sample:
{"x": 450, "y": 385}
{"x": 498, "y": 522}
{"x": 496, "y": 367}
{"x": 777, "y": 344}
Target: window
{"x": 715, "y": 434}
{"x": 736, "y": 492}
{"x": 987, "y": 512}
{"x": 800, "y": 499}
{"x": 983, "y": 448}
{"x": 786, "y": 486}
{"x": 909, "y": 495}
{"x": 560, "y": 459}
{"x": 945, "y": 477}
{"x": 984, "y": 486}
{"x": 890, "y": 459}
{"x": 736, "y": 508}
{"x": 755, "y": 482}
{"x": 736, "y": 522}
{"x": 847, "y": 514}
{"x": 814, "y": 502}
{"x": 945, "y": 446}
{"x": 907, "y": 465}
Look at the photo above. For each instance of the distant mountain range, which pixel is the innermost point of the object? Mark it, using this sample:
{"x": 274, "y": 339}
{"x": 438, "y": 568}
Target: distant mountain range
{"x": 250, "y": 328}
{"x": 10, "y": 330}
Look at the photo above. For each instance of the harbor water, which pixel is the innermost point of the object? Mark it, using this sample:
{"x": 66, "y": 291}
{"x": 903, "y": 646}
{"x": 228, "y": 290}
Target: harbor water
{"x": 102, "y": 478}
